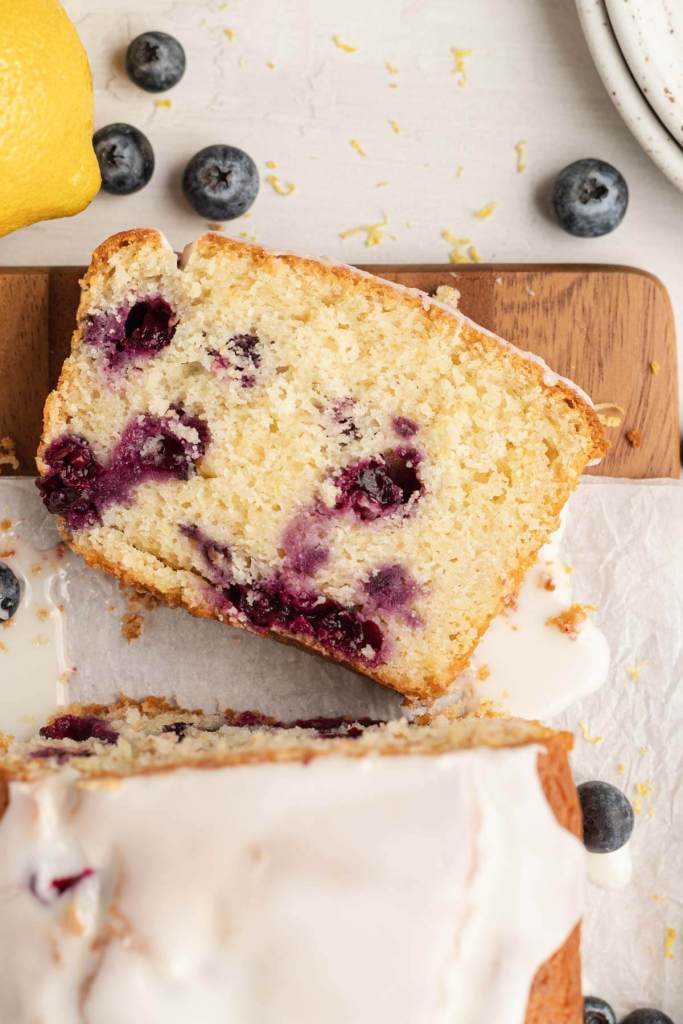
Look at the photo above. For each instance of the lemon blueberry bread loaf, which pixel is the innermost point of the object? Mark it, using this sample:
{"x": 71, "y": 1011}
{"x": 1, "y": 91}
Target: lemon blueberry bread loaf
{"x": 159, "y": 865}
{"x": 306, "y": 451}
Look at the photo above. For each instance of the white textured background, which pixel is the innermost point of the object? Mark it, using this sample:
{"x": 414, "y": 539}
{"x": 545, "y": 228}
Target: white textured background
{"x": 529, "y": 77}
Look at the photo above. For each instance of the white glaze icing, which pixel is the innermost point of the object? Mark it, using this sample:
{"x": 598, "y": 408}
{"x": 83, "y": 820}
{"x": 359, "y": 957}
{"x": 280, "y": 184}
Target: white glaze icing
{"x": 33, "y": 666}
{"x": 537, "y": 671}
{"x": 416, "y": 890}
{"x": 611, "y": 870}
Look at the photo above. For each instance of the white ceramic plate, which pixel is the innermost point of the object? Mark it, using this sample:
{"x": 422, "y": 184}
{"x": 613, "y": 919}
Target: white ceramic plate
{"x": 650, "y": 36}
{"x": 657, "y": 142}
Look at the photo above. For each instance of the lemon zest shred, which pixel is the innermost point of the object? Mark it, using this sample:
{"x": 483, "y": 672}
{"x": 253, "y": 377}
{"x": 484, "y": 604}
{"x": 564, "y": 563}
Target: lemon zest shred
{"x": 520, "y": 150}
{"x": 341, "y": 45}
{"x": 355, "y": 144}
{"x": 459, "y": 69}
{"x": 669, "y": 940}
{"x": 374, "y": 233}
{"x": 281, "y": 187}
{"x": 485, "y": 211}
{"x": 593, "y": 740}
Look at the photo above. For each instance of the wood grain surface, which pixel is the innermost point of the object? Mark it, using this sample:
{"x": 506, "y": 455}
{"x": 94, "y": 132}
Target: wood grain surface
{"x": 603, "y": 326}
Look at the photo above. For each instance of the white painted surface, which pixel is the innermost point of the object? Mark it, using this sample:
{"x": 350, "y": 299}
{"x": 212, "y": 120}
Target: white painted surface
{"x": 530, "y": 77}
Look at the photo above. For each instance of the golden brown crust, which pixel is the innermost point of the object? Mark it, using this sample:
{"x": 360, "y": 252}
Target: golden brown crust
{"x": 555, "y": 996}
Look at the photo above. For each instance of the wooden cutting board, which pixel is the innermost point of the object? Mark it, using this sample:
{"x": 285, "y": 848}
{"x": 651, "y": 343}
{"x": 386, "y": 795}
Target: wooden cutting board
{"x": 605, "y": 327}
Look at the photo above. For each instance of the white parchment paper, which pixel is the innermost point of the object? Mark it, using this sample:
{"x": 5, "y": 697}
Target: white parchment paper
{"x": 625, "y": 542}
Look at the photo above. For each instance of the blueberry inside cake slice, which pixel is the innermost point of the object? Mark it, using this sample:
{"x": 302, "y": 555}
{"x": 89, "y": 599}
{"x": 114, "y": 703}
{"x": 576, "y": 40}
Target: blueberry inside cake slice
{"x": 158, "y": 864}
{"x": 308, "y": 452}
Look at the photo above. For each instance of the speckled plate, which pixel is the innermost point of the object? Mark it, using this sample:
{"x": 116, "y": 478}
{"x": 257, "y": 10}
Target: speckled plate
{"x": 641, "y": 119}
{"x": 650, "y": 36}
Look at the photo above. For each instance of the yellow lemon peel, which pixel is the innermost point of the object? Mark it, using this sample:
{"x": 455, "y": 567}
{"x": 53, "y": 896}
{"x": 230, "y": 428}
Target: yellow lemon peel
{"x": 341, "y": 45}
{"x": 374, "y": 233}
{"x": 283, "y": 188}
{"x": 459, "y": 69}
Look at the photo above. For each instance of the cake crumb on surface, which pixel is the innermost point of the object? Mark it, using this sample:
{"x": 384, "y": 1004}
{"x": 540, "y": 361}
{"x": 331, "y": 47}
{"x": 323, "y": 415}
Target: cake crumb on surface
{"x": 571, "y": 619}
{"x": 341, "y": 45}
{"x": 459, "y": 68}
{"x": 593, "y": 740}
{"x": 634, "y": 438}
{"x": 131, "y": 625}
{"x": 654, "y": 367}
{"x": 164, "y": 103}
{"x": 486, "y": 211}
{"x": 391, "y": 68}
{"x": 230, "y": 33}
{"x": 355, "y": 144}
{"x": 8, "y": 454}
{"x": 43, "y": 614}
{"x": 214, "y": 226}
{"x": 381, "y": 184}
{"x": 271, "y": 165}
{"x": 3, "y": 648}
{"x": 610, "y": 414}
{"x": 283, "y": 188}
{"x": 395, "y": 126}
{"x": 669, "y": 940}
{"x": 447, "y": 294}
{"x": 621, "y": 768}
{"x": 520, "y": 150}
{"x": 483, "y": 673}
{"x": 5, "y": 524}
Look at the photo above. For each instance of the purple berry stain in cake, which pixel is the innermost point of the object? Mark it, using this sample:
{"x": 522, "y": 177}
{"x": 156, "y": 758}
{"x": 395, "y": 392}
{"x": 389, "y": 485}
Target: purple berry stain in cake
{"x": 326, "y": 728}
{"x": 78, "y": 487}
{"x": 404, "y": 427}
{"x": 305, "y": 544}
{"x": 242, "y": 355}
{"x": 80, "y": 728}
{"x": 391, "y": 588}
{"x": 342, "y": 414}
{"x": 70, "y": 486}
{"x": 58, "y": 886}
{"x": 276, "y": 604}
{"x": 60, "y": 754}
{"x": 380, "y": 485}
{"x": 217, "y": 556}
{"x": 129, "y": 332}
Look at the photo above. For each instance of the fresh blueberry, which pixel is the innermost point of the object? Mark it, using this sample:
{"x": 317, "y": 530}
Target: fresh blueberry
{"x": 125, "y": 156}
{"x": 607, "y": 817}
{"x": 155, "y": 61}
{"x": 590, "y": 198}
{"x": 647, "y": 1016}
{"x": 221, "y": 182}
{"x": 10, "y": 593}
{"x": 597, "y": 1011}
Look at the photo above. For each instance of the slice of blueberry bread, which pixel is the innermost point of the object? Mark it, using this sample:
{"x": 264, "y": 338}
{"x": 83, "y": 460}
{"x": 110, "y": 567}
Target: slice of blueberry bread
{"x": 306, "y": 451}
